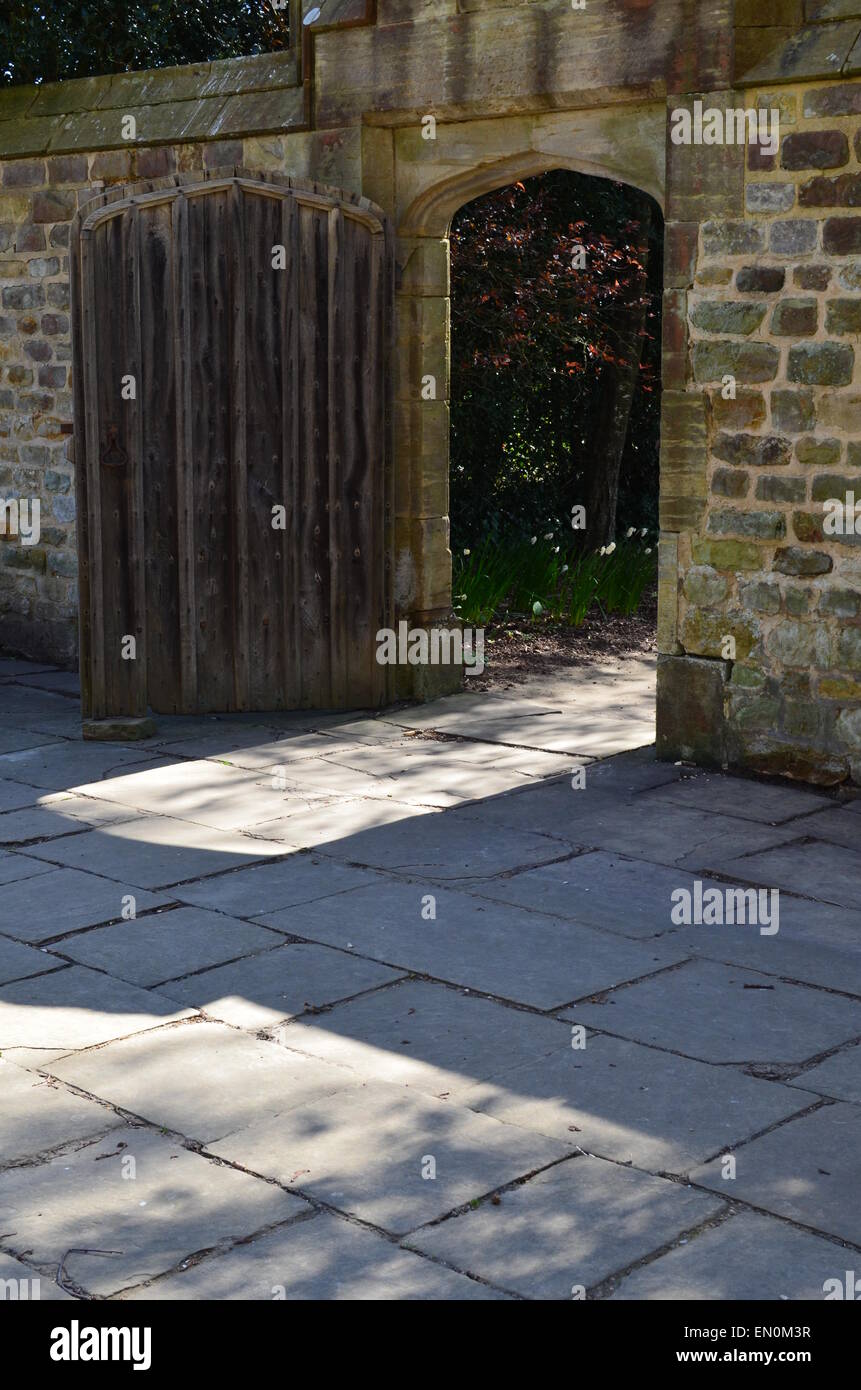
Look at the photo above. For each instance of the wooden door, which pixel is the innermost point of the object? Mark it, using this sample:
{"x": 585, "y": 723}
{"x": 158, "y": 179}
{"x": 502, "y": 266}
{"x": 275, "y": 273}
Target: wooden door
{"x": 230, "y": 364}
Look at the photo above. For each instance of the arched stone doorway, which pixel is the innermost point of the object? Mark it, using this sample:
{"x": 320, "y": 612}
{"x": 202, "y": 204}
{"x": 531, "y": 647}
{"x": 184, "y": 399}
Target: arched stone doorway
{"x": 433, "y": 179}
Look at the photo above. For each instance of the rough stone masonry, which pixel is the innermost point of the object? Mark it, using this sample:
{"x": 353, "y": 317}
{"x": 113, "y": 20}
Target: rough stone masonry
{"x": 762, "y": 286}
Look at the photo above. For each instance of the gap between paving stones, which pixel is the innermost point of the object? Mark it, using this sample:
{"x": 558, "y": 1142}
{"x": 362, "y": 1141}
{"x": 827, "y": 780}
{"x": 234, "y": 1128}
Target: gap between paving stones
{"x": 201, "y": 1149}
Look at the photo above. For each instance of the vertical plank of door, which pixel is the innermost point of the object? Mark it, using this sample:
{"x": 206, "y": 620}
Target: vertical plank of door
{"x": 375, "y": 479}
{"x": 357, "y": 463}
{"x": 339, "y": 562}
{"x": 185, "y": 512}
{"x": 385, "y": 416}
{"x": 113, "y": 330}
{"x": 267, "y": 555}
{"x": 209, "y": 234}
{"x": 239, "y": 459}
{"x": 134, "y": 412}
{"x": 290, "y": 471}
{"x": 312, "y": 550}
{"x": 78, "y": 457}
{"x": 90, "y": 362}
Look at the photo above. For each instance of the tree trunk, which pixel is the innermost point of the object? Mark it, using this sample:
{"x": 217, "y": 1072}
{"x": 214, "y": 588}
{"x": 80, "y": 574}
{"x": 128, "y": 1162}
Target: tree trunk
{"x": 609, "y": 431}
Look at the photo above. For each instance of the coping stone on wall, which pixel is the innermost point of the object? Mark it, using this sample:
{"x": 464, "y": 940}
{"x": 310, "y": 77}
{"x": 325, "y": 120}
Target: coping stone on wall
{"x": 205, "y": 101}
{"x": 826, "y": 44}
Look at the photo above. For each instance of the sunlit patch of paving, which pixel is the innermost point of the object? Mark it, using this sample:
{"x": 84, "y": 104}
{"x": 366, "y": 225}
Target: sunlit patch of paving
{"x": 480, "y": 975}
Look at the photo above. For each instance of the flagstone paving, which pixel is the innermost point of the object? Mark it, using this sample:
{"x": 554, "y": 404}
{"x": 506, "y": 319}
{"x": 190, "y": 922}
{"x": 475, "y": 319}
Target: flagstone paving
{"x": 355, "y": 1007}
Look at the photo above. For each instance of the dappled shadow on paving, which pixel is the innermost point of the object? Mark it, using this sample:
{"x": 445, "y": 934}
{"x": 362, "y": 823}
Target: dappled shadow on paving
{"x": 382, "y": 968}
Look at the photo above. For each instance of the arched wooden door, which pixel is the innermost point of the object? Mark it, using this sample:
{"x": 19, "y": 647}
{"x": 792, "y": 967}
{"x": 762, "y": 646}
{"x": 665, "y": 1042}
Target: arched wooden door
{"x": 230, "y": 365}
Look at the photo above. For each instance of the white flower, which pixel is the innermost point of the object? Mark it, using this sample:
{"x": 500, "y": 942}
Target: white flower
{"x": 645, "y": 531}
{"x": 629, "y": 533}
{"x": 603, "y": 550}
{"x": 534, "y": 539}
{"x": 548, "y": 535}
{"x": 556, "y": 550}
{"x": 466, "y": 552}
{"x": 537, "y": 609}
{"x": 611, "y": 547}
{"x": 648, "y": 550}
{"x": 564, "y": 569}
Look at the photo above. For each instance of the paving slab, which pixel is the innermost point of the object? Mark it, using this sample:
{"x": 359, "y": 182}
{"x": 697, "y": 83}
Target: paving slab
{"x": 367, "y": 1151}
{"x": 15, "y": 795}
{"x": 740, "y": 797}
{"x": 62, "y": 766}
{"x": 745, "y": 837}
{"x": 808, "y": 1170}
{"x": 326, "y": 822}
{"x": 23, "y": 705}
{"x": 493, "y": 947}
{"x": 14, "y": 740}
{"x": 155, "y": 851}
{"x": 323, "y": 1259}
{"x": 746, "y": 1257}
{"x": 601, "y": 890}
{"x": 12, "y": 667}
{"x": 29, "y": 1285}
{"x": 177, "y": 1203}
{"x": 429, "y": 775}
{"x": 817, "y": 870}
{"x": 382, "y": 729}
{"x": 334, "y": 776}
{"x": 531, "y": 763}
{"x": 203, "y": 1080}
{"x": 61, "y": 682}
{"x": 18, "y": 961}
{"x": 38, "y": 1114}
{"x": 839, "y": 825}
{"x": 14, "y": 868}
{"x": 604, "y": 711}
{"x": 58, "y": 816}
{"x": 300, "y": 878}
{"x": 591, "y": 819}
{"x": 635, "y": 1104}
{"x": 65, "y": 900}
{"x": 722, "y": 1013}
{"x": 626, "y": 774}
{"x": 838, "y": 1076}
{"x": 575, "y": 1224}
{"x": 76, "y": 1008}
{"x": 446, "y": 847}
{"x": 265, "y": 989}
{"x": 817, "y": 944}
{"x": 165, "y": 945}
{"x": 438, "y": 1040}
{"x": 207, "y": 792}
{"x": 252, "y": 750}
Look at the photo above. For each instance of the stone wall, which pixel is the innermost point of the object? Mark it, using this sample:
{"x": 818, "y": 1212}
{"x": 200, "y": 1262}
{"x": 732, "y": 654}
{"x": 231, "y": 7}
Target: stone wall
{"x": 764, "y": 371}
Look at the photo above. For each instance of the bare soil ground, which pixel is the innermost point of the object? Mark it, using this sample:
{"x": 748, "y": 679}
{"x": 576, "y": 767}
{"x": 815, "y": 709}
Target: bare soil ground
{"x": 522, "y": 647}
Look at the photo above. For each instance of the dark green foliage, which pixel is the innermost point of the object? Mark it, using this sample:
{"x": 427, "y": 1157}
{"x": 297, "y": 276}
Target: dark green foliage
{"x": 533, "y": 343}
{"x": 541, "y": 576}
{"x": 68, "y": 38}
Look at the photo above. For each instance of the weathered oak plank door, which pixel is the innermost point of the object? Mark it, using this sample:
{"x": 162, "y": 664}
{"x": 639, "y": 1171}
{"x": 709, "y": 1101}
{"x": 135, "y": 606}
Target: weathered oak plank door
{"x": 230, "y": 361}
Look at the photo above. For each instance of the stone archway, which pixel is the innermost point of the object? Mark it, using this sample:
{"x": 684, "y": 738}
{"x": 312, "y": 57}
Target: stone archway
{"x": 464, "y": 161}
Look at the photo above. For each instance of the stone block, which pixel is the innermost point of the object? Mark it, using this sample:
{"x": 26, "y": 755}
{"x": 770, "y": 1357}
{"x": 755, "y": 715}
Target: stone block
{"x": 815, "y": 149}
{"x": 690, "y": 709}
{"x": 761, "y": 279}
{"x": 821, "y": 364}
{"x": 795, "y": 318}
{"x": 747, "y": 362}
